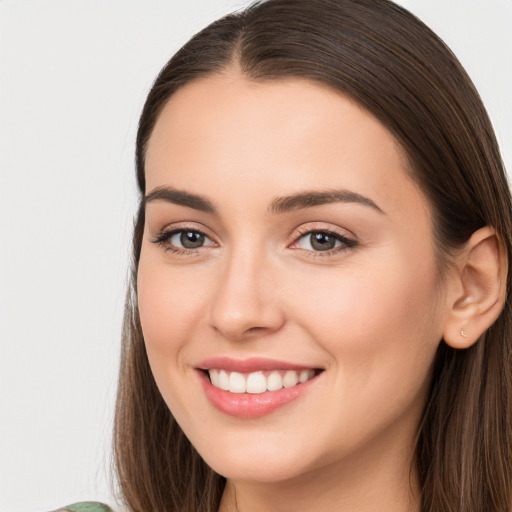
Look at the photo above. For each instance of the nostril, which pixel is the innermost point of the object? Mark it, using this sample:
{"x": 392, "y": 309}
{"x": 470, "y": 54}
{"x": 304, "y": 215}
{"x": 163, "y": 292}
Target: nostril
{"x": 255, "y": 330}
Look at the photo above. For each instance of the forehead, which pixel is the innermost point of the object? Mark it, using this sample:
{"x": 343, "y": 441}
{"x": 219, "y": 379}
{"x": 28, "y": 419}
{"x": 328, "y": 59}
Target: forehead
{"x": 293, "y": 134}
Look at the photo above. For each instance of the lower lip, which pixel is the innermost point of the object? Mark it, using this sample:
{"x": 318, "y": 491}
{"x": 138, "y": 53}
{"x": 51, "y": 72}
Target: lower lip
{"x": 248, "y": 405}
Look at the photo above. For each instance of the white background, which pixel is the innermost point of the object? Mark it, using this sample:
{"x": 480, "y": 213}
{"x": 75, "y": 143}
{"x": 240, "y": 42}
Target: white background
{"x": 73, "y": 78}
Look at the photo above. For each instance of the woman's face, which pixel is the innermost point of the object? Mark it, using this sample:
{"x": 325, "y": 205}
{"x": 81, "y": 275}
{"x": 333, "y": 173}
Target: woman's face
{"x": 285, "y": 242}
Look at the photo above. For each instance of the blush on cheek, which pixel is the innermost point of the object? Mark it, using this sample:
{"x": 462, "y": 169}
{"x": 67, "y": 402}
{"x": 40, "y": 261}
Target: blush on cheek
{"x": 168, "y": 307}
{"x": 371, "y": 312}
{"x": 154, "y": 311}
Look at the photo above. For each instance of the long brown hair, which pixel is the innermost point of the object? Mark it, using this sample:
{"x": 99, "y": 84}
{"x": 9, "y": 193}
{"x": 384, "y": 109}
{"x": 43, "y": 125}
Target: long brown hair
{"x": 398, "y": 69}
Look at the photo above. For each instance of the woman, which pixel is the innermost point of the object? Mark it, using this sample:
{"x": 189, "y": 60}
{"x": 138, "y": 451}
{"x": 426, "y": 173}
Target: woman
{"x": 318, "y": 314}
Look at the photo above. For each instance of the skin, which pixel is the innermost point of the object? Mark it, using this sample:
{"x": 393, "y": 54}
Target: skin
{"x": 371, "y": 316}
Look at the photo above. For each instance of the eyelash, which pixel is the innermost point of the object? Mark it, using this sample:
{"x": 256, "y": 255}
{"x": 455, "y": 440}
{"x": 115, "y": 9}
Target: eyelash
{"x": 165, "y": 236}
{"x": 346, "y": 243}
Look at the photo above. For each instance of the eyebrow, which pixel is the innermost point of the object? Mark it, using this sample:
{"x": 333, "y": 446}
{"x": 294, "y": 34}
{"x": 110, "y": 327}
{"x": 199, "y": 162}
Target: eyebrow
{"x": 179, "y": 197}
{"x": 309, "y": 199}
{"x": 300, "y": 201}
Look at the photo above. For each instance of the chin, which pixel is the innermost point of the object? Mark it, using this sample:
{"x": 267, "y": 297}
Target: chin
{"x": 259, "y": 460}
{"x": 265, "y": 470}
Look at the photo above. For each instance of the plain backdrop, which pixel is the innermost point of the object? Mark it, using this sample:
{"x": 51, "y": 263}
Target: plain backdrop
{"x": 73, "y": 78}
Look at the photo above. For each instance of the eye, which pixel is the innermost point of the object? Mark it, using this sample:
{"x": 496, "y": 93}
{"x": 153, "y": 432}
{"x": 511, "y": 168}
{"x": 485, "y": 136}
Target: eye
{"x": 183, "y": 240}
{"x": 323, "y": 241}
{"x": 188, "y": 239}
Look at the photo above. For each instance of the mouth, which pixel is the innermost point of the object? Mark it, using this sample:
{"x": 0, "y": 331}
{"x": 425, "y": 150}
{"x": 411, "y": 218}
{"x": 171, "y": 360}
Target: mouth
{"x": 255, "y": 387}
{"x": 259, "y": 381}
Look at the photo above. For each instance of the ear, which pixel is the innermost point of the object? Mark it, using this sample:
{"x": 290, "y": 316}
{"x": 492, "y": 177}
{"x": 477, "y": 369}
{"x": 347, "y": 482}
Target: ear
{"x": 477, "y": 289}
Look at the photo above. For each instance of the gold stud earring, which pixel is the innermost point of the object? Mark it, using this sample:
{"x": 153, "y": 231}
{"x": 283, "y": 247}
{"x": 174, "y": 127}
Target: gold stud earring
{"x": 463, "y": 333}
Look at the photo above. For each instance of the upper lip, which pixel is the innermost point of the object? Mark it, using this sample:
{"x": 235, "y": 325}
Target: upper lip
{"x": 253, "y": 364}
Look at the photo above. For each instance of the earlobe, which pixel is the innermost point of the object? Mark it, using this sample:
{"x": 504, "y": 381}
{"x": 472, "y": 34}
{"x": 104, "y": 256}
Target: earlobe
{"x": 477, "y": 292}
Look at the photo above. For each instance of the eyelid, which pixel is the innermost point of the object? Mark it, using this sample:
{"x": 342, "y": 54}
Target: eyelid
{"x": 163, "y": 236}
{"x": 348, "y": 239}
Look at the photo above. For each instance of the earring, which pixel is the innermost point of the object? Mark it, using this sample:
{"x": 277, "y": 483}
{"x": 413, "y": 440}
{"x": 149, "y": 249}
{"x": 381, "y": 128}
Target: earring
{"x": 463, "y": 333}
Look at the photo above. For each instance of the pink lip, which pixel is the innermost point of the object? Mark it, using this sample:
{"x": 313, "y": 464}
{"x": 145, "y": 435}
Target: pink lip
{"x": 255, "y": 364}
{"x": 248, "y": 405}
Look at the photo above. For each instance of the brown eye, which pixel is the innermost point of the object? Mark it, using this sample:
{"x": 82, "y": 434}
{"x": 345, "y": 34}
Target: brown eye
{"x": 191, "y": 239}
{"x": 183, "y": 240}
{"x": 322, "y": 241}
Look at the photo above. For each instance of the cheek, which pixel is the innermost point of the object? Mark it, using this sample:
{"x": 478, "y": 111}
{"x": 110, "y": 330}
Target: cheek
{"x": 170, "y": 305}
{"x": 381, "y": 333}
{"x": 379, "y": 323}
{"x": 170, "y": 308}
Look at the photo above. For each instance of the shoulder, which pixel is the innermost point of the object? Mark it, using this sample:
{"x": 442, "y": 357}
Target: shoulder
{"x": 85, "y": 506}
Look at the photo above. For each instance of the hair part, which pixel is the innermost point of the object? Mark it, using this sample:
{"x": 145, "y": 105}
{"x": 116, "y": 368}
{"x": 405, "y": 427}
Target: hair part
{"x": 389, "y": 62}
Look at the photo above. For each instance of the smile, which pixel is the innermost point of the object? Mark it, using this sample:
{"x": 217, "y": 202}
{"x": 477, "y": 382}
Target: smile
{"x": 259, "y": 381}
{"x": 256, "y": 387}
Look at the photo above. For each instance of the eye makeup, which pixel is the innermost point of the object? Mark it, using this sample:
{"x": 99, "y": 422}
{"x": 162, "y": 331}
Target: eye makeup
{"x": 313, "y": 241}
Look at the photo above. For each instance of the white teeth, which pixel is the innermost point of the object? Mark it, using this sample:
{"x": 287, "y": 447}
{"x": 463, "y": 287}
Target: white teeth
{"x": 214, "y": 377}
{"x": 290, "y": 379}
{"x": 304, "y": 375}
{"x": 236, "y": 383}
{"x": 223, "y": 380}
{"x": 274, "y": 381}
{"x": 258, "y": 382}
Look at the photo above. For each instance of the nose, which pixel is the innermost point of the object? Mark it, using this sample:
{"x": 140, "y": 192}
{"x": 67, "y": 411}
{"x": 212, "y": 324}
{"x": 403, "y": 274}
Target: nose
{"x": 246, "y": 303}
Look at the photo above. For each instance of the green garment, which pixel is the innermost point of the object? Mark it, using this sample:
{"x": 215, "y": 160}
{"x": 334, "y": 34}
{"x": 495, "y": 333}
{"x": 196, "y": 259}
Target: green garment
{"x": 85, "y": 506}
